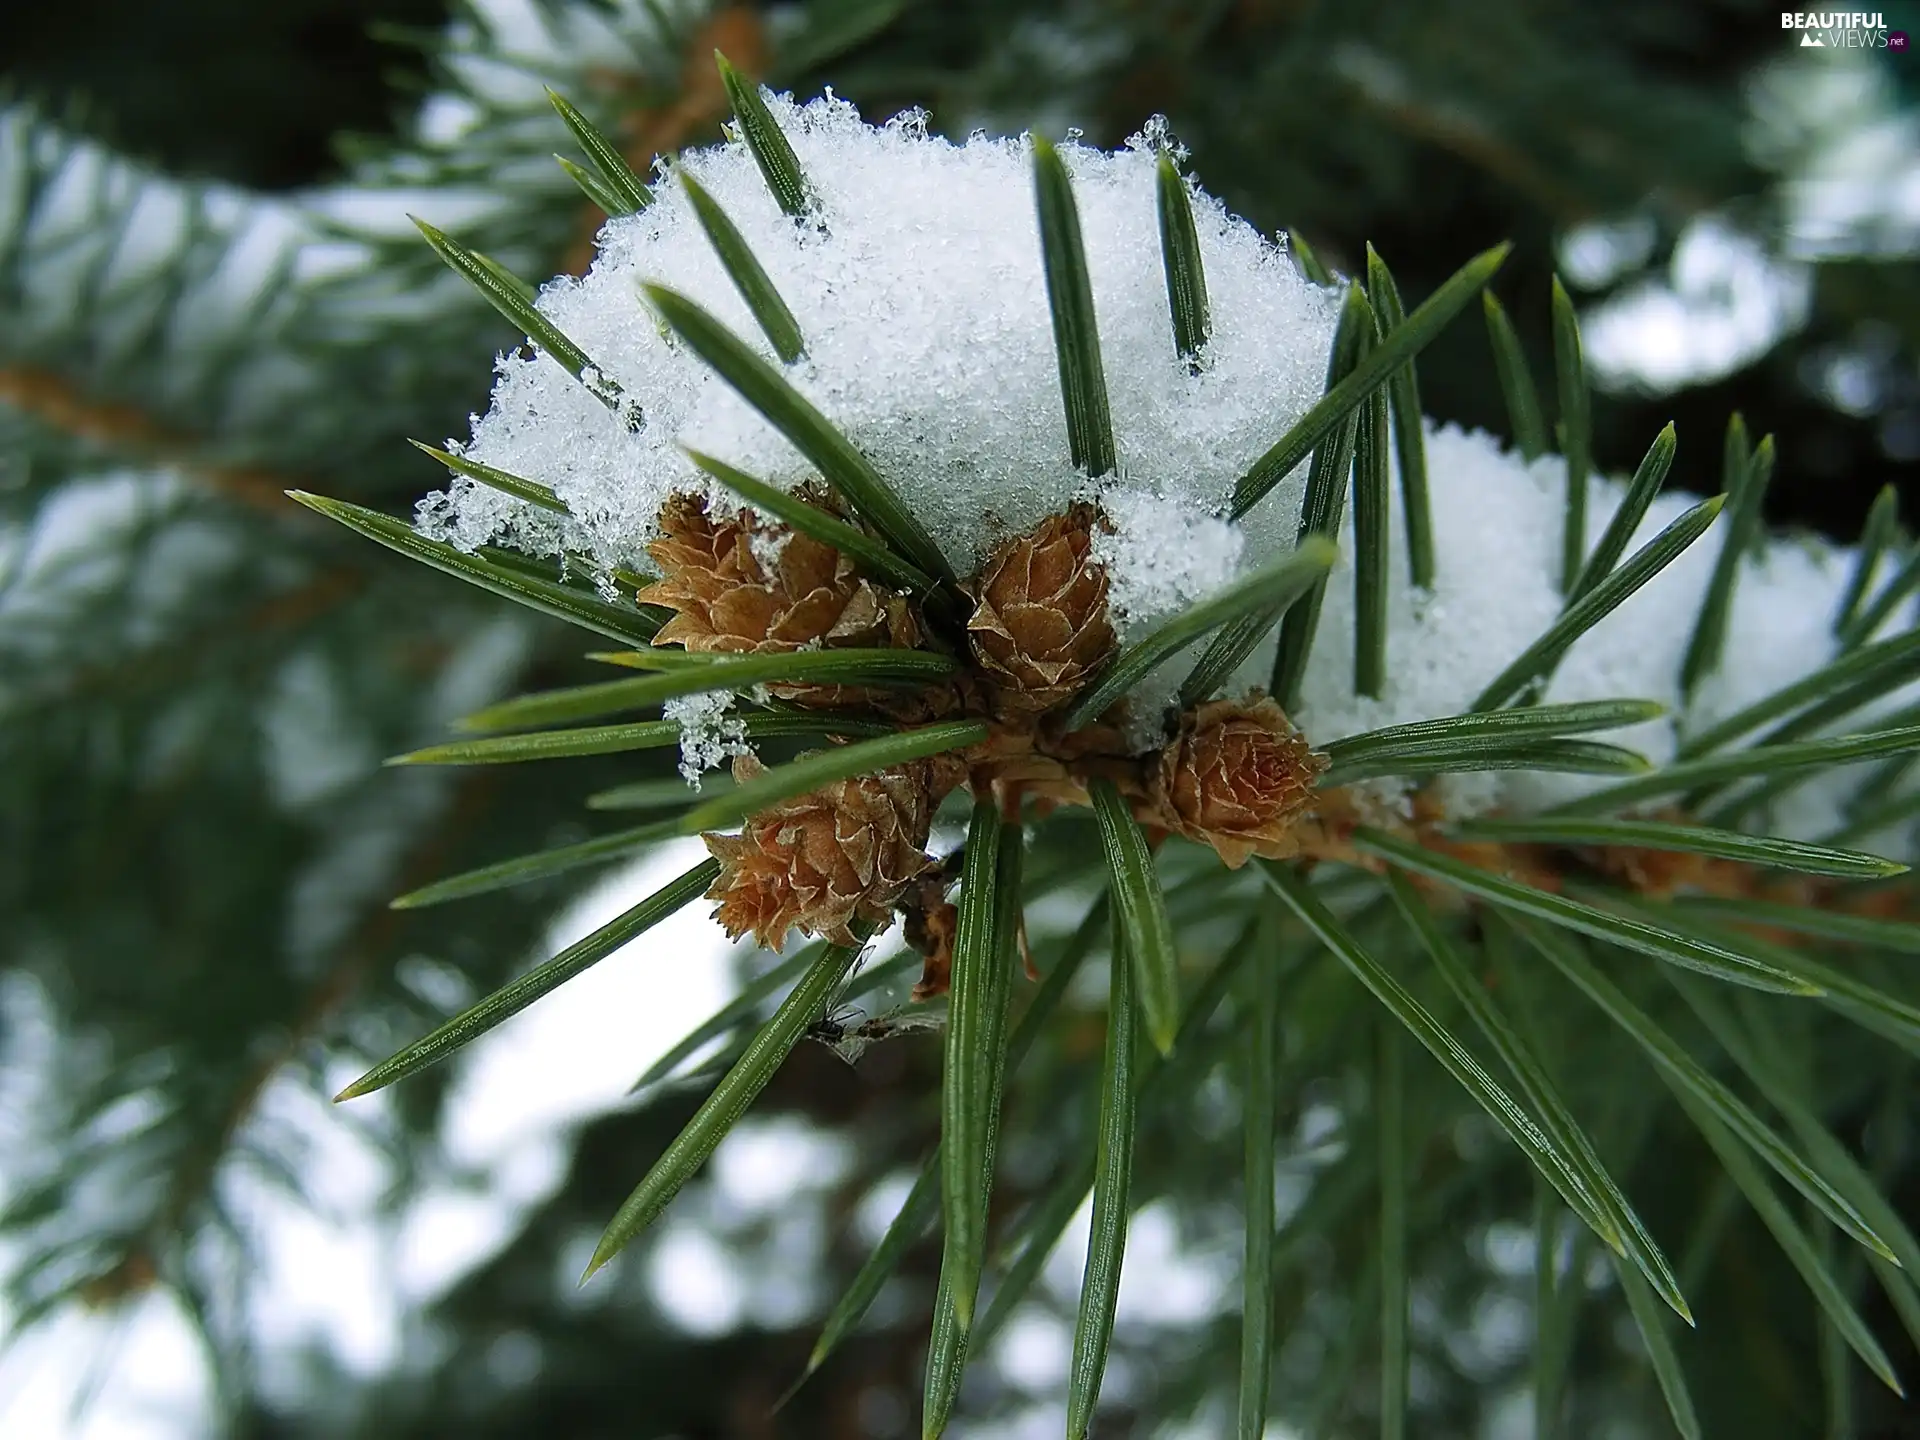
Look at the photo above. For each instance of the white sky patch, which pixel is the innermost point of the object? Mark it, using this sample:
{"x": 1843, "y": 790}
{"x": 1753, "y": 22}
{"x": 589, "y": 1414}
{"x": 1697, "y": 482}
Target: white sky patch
{"x": 1598, "y": 252}
{"x": 1724, "y": 302}
{"x": 879, "y": 1207}
{"x": 1162, "y": 1282}
{"x": 696, "y": 1280}
{"x": 1035, "y": 1350}
{"x": 762, "y": 1164}
{"x": 321, "y": 1273}
{"x": 151, "y": 1375}
{"x": 1832, "y": 122}
{"x": 609, "y": 1023}
{"x": 1165, "y": 1281}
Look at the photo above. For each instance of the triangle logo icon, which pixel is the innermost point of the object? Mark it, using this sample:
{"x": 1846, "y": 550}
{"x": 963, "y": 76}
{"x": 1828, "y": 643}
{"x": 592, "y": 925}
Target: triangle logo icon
{"x": 1813, "y": 41}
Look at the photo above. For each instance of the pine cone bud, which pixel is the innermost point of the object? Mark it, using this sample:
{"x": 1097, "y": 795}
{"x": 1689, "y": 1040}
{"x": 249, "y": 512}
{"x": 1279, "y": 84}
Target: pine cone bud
{"x": 1237, "y": 777}
{"x": 1040, "y": 627}
{"x": 741, "y": 585}
{"x": 744, "y": 586}
{"x": 822, "y": 861}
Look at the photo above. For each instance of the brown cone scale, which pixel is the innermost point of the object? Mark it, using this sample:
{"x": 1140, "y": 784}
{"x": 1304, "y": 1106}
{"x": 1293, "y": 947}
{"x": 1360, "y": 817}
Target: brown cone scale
{"x": 821, "y": 862}
{"x": 1237, "y": 777}
{"x": 727, "y": 599}
{"x": 1040, "y": 627}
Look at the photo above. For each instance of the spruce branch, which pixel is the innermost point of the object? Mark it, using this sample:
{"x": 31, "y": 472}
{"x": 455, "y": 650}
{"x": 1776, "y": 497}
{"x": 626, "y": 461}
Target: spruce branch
{"x": 125, "y": 430}
{"x": 149, "y": 1253}
{"x": 1036, "y": 696}
{"x": 955, "y": 608}
{"x": 690, "y": 110}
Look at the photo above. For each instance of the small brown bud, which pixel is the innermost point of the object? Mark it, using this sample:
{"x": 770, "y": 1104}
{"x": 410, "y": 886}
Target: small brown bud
{"x": 1040, "y": 626}
{"x": 727, "y": 598}
{"x": 743, "y": 586}
{"x": 1237, "y": 777}
{"x": 820, "y": 862}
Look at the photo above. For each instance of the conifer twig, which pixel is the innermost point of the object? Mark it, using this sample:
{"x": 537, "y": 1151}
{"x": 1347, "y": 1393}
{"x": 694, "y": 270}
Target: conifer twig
{"x": 699, "y": 106}
{"x": 59, "y": 404}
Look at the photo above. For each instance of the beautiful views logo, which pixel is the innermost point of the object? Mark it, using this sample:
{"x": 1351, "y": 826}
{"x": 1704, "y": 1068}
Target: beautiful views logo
{"x": 1840, "y": 30}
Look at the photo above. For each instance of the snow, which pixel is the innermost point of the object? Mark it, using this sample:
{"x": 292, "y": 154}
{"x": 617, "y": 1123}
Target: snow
{"x": 709, "y": 736}
{"x": 1497, "y": 534}
{"x": 1194, "y": 555}
{"x": 928, "y": 342}
{"x": 918, "y": 286}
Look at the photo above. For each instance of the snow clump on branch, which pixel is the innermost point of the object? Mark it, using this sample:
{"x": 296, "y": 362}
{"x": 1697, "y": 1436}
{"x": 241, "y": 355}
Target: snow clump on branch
{"x": 919, "y": 290}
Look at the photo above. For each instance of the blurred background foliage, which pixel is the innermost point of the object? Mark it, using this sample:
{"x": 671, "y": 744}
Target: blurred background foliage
{"x": 209, "y": 294}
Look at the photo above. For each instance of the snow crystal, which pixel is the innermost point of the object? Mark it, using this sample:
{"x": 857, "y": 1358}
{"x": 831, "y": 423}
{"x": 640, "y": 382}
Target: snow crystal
{"x": 1161, "y": 556}
{"x": 767, "y": 546}
{"x": 709, "y": 736}
{"x": 1193, "y": 555}
{"x": 1497, "y": 532}
{"x": 922, "y": 301}
{"x": 924, "y": 310}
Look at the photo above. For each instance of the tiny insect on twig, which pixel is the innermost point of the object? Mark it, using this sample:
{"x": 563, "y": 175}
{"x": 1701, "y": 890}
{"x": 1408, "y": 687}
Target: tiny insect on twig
{"x": 849, "y": 1040}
